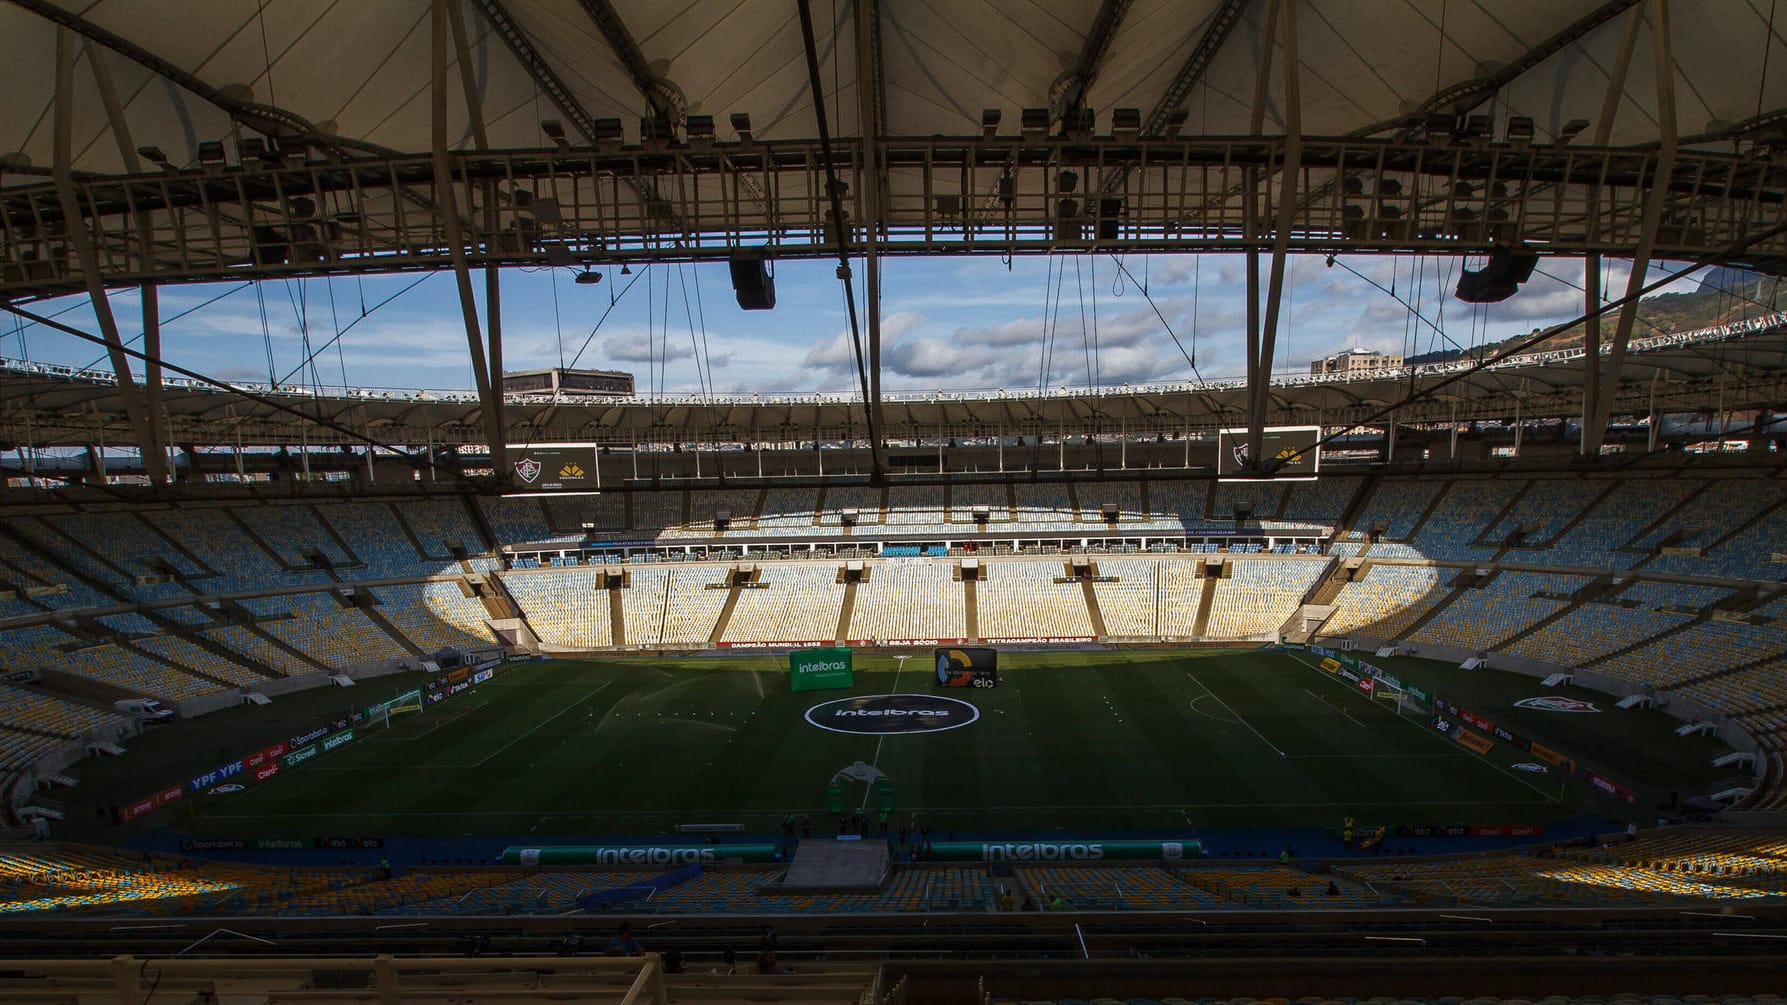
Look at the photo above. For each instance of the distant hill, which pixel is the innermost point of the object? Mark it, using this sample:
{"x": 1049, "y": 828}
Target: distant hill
{"x": 1725, "y": 295}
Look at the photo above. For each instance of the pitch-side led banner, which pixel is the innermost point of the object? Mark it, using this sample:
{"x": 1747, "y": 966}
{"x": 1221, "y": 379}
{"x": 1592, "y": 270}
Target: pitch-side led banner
{"x": 1611, "y": 787}
{"x": 1473, "y": 741}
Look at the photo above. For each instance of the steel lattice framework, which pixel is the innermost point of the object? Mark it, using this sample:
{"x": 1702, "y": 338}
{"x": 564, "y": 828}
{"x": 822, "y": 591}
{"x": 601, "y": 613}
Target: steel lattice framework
{"x": 939, "y": 196}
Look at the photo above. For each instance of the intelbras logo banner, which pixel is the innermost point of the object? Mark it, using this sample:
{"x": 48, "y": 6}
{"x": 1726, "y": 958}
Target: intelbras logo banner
{"x": 881, "y": 714}
{"x": 819, "y": 669}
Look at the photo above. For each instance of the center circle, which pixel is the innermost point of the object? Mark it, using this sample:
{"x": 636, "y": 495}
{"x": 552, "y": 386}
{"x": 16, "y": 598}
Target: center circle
{"x": 880, "y": 714}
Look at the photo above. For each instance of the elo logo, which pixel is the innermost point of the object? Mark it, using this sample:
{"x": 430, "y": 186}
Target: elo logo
{"x": 880, "y": 714}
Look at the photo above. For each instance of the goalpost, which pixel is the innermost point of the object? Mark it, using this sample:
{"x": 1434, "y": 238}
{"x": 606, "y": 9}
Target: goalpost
{"x": 408, "y": 703}
{"x": 1400, "y": 701}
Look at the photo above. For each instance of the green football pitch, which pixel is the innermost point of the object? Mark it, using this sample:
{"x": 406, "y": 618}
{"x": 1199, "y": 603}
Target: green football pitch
{"x": 1068, "y": 742}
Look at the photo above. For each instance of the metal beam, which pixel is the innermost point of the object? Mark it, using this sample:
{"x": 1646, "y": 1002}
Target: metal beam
{"x": 200, "y": 219}
{"x": 468, "y": 77}
{"x": 446, "y": 199}
{"x": 270, "y": 120}
{"x": 537, "y": 68}
{"x": 840, "y": 237}
{"x": 493, "y": 306}
{"x": 1466, "y": 95}
{"x": 1077, "y": 81}
{"x": 1591, "y": 340}
{"x": 664, "y": 97}
{"x": 63, "y": 137}
{"x": 1594, "y": 433}
{"x": 1222, "y": 22}
{"x": 868, "y": 75}
{"x": 1616, "y": 79}
{"x": 1610, "y": 102}
{"x": 156, "y": 419}
{"x": 1260, "y": 385}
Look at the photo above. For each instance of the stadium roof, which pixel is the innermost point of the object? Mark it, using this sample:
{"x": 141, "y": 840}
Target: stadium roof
{"x": 182, "y": 73}
{"x": 152, "y": 141}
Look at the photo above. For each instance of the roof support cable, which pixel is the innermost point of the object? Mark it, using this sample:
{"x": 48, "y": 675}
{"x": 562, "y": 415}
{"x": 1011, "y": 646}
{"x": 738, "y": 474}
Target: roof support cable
{"x": 340, "y": 335}
{"x": 260, "y": 297}
{"x": 613, "y": 301}
{"x": 264, "y": 400}
{"x": 335, "y": 322}
{"x": 834, "y": 188}
{"x": 1414, "y": 311}
{"x": 1735, "y": 250}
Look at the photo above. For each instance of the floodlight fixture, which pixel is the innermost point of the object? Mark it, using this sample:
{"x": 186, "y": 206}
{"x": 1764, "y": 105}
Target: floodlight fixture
{"x": 1126, "y": 124}
{"x": 655, "y": 132}
{"x": 608, "y": 134}
{"x": 741, "y": 124}
{"x": 1176, "y": 121}
{"x": 555, "y": 131}
{"x": 1034, "y": 123}
{"x": 989, "y": 122}
{"x": 700, "y": 130}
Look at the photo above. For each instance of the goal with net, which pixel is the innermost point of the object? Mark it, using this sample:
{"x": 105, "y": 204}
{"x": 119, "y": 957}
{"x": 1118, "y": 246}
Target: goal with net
{"x": 408, "y": 703}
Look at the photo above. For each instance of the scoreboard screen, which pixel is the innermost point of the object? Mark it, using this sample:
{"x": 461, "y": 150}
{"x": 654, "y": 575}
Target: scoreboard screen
{"x": 554, "y": 468}
{"x": 967, "y": 666}
{"x": 1287, "y": 452}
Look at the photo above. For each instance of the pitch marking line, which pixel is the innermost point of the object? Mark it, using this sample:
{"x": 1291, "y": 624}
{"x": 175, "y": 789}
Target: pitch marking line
{"x": 537, "y": 726}
{"x": 869, "y": 790}
{"x": 1237, "y": 715}
{"x": 1549, "y": 798}
{"x": 1207, "y": 715}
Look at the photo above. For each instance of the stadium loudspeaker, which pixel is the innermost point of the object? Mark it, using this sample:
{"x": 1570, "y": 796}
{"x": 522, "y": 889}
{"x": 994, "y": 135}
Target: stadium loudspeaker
{"x": 752, "y": 282}
{"x": 1500, "y": 279}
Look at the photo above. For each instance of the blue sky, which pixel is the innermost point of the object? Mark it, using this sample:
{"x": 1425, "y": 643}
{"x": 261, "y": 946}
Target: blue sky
{"x": 948, "y": 323}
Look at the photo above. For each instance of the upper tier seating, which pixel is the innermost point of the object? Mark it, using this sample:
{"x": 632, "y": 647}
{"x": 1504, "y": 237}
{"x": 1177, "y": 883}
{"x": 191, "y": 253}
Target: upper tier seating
{"x": 1466, "y": 508}
{"x": 437, "y": 521}
{"x": 293, "y": 531}
{"x": 372, "y": 530}
{"x": 132, "y": 549}
{"x": 523, "y": 521}
{"x": 1398, "y": 505}
{"x": 239, "y": 561}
